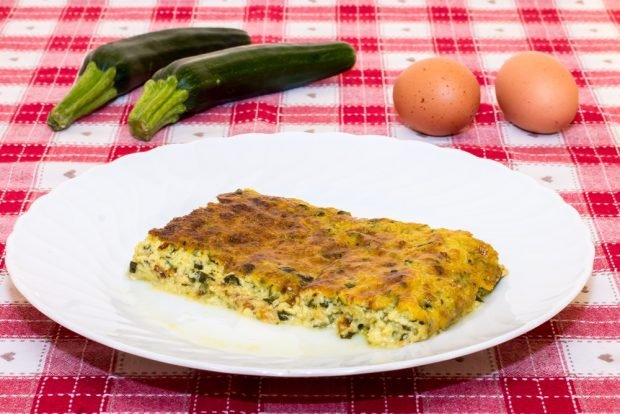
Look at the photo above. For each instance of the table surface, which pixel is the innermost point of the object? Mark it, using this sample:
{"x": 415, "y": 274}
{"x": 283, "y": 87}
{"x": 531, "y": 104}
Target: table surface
{"x": 569, "y": 364}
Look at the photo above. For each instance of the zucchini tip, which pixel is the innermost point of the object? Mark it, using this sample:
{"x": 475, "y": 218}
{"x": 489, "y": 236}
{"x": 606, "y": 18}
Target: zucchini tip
{"x": 160, "y": 104}
{"x": 93, "y": 89}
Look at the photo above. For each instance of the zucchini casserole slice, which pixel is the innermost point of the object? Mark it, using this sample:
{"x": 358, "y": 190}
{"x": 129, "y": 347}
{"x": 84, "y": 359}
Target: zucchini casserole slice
{"x": 282, "y": 260}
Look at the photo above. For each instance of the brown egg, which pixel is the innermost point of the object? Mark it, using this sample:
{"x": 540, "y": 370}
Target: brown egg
{"x": 436, "y": 96}
{"x": 536, "y": 92}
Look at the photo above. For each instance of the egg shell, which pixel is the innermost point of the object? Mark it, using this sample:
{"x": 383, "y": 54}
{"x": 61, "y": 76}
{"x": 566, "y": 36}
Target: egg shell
{"x": 536, "y": 92}
{"x": 436, "y": 96}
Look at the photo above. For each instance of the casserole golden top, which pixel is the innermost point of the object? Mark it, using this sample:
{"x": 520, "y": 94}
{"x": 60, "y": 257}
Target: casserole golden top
{"x": 431, "y": 275}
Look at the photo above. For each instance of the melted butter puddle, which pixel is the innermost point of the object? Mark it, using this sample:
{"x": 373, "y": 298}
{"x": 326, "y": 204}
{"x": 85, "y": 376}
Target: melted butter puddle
{"x": 220, "y": 328}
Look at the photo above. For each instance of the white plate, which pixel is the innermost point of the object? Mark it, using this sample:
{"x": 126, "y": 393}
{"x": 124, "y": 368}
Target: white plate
{"x": 68, "y": 255}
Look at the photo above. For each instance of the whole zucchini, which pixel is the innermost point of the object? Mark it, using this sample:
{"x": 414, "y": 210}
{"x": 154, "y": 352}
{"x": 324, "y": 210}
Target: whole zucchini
{"x": 118, "y": 67}
{"x": 193, "y": 84}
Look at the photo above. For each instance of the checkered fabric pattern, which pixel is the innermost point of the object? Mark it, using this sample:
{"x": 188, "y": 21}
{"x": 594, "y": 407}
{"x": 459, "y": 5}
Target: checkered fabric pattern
{"x": 569, "y": 364}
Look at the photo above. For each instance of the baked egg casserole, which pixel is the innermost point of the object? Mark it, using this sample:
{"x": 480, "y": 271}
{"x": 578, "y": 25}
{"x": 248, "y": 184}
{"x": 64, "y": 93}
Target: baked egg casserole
{"x": 282, "y": 260}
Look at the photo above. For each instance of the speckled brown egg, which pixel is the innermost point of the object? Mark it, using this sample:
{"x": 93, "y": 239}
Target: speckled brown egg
{"x": 536, "y": 92}
{"x": 436, "y": 96}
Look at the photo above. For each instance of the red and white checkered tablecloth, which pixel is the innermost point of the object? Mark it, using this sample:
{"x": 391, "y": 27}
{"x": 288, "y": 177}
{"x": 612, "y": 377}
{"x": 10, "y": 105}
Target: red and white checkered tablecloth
{"x": 569, "y": 364}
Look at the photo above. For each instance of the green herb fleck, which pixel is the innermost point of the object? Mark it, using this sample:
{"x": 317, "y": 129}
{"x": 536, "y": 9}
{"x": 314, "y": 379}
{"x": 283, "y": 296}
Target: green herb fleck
{"x": 201, "y": 276}
{"x": 304, "y": 278}
{"x": 287, "y": 269}
{"x": 270, "y": 299}
{"x": 283, "y": 315}
{"x": 231, "y": 279}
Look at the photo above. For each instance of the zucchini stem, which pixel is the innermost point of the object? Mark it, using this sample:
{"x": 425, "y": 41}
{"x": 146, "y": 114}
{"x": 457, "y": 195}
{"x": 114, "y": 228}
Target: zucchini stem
{"x": 92, "y": 89}
{"x": 161, "y": 103}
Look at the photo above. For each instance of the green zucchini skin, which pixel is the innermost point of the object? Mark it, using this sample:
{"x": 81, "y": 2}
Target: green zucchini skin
{"x": 191, "y": 85}
{"x": 116, "y": 68}
{"x": 247, "y": 71}
{"x": 137, "y": 58}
